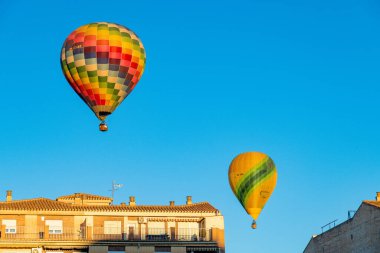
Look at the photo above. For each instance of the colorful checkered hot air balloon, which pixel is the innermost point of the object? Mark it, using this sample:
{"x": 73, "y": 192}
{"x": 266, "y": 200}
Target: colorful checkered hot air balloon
{"x": 103, "y": 63}
{"x": 252, "y": 177}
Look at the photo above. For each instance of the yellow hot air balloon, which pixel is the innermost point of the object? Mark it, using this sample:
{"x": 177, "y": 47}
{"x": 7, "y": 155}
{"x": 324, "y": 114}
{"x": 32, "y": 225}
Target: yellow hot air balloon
{"x": 252, "y": 177}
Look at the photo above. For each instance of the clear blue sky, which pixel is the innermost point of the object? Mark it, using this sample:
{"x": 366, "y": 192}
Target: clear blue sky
{"x": 298, "y": 80}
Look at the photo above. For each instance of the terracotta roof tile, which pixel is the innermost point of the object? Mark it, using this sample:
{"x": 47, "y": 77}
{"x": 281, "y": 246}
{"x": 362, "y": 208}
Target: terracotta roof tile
{"x": 34, "y": 204}
{"x": 84, "y": 196}
{"x": 44, "y": 204}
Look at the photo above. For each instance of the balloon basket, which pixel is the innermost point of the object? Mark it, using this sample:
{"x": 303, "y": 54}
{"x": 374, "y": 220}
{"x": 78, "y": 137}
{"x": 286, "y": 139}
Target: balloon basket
{"x": 103, "y": 126}
{"x": 254, "y": 225}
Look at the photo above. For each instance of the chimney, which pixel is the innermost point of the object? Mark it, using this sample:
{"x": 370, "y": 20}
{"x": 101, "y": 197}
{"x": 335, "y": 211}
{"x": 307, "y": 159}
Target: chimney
{"x": 77, "y": 199}
{"x": 132, "y": 201}
{"x": 171, "y": 203}
{"x": 377, "y": 196}
{"x": 188, "y": 200}
{"x": 9, "y": 196}
{"x": 123, "y": 204}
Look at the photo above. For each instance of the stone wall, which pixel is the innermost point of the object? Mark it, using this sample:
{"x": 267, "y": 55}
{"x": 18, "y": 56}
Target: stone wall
{"x": 360, "y": 234}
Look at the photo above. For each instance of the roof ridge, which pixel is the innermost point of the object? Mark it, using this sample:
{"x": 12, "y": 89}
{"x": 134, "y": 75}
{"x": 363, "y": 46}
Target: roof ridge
{"x": 35, "y": 200}
{"x": 24, "y": 200}
{"x": 82, "y": 194}
{"x": 182, "y": 205}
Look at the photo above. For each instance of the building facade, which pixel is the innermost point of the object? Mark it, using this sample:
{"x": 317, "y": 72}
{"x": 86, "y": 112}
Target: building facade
{"x": 81, "y": 223}
{"x": 359, "y": 234}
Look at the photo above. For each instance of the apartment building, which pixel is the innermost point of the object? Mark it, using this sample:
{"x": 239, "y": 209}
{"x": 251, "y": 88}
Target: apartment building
{"x": 81, "y": 223}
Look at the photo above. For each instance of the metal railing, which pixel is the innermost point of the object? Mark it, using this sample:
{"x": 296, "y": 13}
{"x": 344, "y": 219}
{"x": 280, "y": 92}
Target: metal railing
{"x": 105, "y": 233}
{"x": 41, "y": 233}
{"x": 328, "y": 226}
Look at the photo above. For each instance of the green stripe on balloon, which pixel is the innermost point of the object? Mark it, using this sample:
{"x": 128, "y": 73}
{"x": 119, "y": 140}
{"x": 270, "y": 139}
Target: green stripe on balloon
{"x": 250, "y": 171}
{"x": 257, "y": 185}
{"x": 254, "y": 177}
{"x": 250, "y": 184}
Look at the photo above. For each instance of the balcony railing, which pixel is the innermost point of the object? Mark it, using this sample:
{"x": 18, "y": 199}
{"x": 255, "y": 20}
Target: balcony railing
{"x": 41, "y": 233}
{"x": 105, "y": 234}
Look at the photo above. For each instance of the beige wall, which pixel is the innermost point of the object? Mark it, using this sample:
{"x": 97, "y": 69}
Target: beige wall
{"x": 99, "y": 220}
{"x": 20, "y": 219}
{"x": 178, "y": 249}
{"x": 31, "y": 228}
{"x": 15, "y": 250}
{"x": 131, "y": 249}
{"x": 146, "y": 249}
{"x": 214, "y": 221}
{"x": 216, "y": 225}
{"x": 78, "y": 220}
{"x": 67, "y": 220}
{"x": 98, "y": 249}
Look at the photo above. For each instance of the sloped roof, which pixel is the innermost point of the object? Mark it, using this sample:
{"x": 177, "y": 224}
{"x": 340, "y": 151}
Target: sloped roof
{"x": 372, "y": 203}
{"x": 44, "y": 204}
{"x": 84, "y": 196}
{"x": 35, "y": 204}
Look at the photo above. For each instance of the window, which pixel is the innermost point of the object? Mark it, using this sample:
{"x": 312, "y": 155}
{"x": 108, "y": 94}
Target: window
{"x": 55, "y": 226}
{"x": 188, "y": 231}
{"x": 112, "y": 227}
{"x": 10, "y": 226}
{"x": 156, "y": 228}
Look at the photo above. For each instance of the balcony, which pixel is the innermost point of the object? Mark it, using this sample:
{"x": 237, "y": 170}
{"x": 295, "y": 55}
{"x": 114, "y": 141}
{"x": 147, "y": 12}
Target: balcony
{"x": 89, "y": 233}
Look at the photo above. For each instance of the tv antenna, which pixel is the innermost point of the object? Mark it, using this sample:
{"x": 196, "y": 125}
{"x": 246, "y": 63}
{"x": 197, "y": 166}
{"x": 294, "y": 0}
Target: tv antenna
{"x": 115, "y": 187}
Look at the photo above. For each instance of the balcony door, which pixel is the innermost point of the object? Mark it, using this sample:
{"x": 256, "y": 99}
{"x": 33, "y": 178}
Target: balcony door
{"x": 131, "y": 231}
{"x": 172, "y": 234}
{"x": 112, "y": 230}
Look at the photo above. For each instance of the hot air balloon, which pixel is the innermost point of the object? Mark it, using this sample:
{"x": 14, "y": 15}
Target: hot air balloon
{"x": 252, "y": 177}
{"x": 102, "y": 62}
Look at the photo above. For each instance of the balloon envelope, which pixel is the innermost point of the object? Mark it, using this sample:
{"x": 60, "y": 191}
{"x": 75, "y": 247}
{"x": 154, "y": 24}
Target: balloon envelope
{"x": 252, "y": 177}
{"x": 103, "y": 63}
